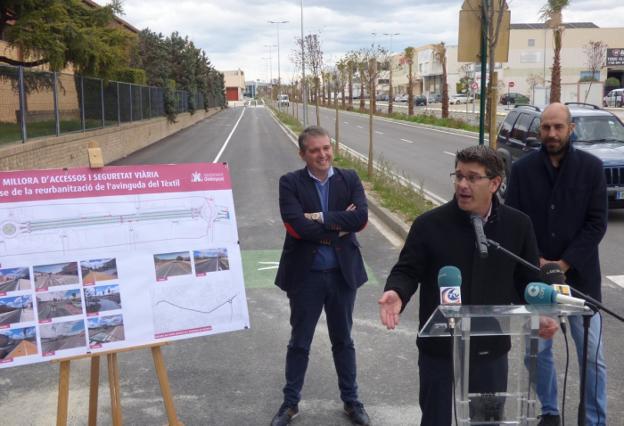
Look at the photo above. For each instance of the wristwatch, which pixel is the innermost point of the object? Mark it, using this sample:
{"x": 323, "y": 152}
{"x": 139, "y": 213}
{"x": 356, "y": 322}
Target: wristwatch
{"x": 315, "y": 216}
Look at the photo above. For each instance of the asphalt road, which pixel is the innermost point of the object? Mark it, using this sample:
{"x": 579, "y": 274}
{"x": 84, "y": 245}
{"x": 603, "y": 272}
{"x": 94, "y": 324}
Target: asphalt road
{"x": 236, "y": 378}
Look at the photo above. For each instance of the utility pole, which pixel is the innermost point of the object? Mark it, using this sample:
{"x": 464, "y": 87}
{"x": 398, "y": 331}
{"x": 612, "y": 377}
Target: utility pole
{"x": 279, "y": 77}
{"x": 303, "y": 78}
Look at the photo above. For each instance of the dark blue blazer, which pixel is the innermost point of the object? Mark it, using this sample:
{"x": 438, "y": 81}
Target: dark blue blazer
{"x": 298, "y": 195}
{"x": 568, "y": 209}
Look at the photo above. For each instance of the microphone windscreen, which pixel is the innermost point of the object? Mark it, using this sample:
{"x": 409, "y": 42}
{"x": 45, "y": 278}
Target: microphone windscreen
{"x": 449, "y": 276}
{"x": 551, "y": 273}
{"x": 539, "y": 294}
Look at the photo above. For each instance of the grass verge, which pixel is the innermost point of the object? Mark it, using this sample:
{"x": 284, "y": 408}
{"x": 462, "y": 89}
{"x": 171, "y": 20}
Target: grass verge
{"x": 385, "y": 184}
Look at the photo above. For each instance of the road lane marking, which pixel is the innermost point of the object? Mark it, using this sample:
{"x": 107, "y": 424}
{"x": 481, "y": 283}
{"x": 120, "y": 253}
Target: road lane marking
{"x": 359, "y": 127}
{"x": 407, "y": 140}
{"x": 617, "y": 279}
{"x": 346, "y": 122}
{"x": 378, "y": 132}
{"x": 228, "y": 138}
{"x": 384, "y": 230}
{"x": 449, "y": 153}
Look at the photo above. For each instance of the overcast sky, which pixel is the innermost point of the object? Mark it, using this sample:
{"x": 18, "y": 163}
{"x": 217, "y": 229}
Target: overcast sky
{"x": 234, "y": 33}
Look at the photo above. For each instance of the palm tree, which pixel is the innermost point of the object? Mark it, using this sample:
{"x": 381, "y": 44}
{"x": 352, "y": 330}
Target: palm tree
{"x": 551, "y": 14}
{"x": 439, "y": 53}
{"x": 408, "y": 54}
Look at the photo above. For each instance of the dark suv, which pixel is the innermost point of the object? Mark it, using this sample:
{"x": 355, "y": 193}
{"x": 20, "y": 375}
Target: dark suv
{"x": 597, "y": 131}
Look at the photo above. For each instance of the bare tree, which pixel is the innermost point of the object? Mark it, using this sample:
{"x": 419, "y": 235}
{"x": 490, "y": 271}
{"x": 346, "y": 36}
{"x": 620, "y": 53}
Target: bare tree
{"x": 341, "y": 67}
{"x": 534, "y": 80}
{"x": 314, "y": 59}
{"x": 495, "y": 15}
{"x": 595, "y": 55}
{"x": 439, "y": 53}
{"x": 408, "y": 55}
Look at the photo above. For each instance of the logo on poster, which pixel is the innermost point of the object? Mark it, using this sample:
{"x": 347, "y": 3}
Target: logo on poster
{"x": 196, "y": 177}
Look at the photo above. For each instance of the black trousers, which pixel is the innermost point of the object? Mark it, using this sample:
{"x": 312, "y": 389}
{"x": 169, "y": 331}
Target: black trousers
{"x": 487, "y": 375}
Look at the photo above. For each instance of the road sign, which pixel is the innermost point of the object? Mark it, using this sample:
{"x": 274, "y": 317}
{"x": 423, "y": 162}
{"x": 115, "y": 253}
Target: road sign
{"x": 512, "y": 84}
{"x": 474, "y": 85}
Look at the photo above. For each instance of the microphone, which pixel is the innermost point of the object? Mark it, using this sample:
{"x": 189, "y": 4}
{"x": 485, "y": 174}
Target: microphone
{"x": 543, "y": 294}
{"x": 482, "y": 245}
{"x": 552, "y": 274}
{"x": 449, "y": 281}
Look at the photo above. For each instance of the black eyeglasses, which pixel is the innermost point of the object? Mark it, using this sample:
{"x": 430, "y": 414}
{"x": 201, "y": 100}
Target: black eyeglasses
{"x": 456, "y": 178}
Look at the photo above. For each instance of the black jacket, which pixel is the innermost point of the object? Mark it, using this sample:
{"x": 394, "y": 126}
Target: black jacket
{"x": 298, "y": 195}
{"x": 568, "y": 210}
{"x": 445, "y": 236}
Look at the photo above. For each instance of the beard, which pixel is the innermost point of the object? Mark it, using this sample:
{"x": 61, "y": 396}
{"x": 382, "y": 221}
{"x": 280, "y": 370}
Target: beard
{"x": 560, "y": 148}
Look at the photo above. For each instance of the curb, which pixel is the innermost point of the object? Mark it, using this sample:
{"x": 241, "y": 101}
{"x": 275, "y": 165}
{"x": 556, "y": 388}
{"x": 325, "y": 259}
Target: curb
{"x": 390, "y": 219}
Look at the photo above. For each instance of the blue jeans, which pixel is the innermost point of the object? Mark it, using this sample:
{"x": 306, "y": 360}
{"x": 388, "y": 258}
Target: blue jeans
{"x": 329, "y": 291}
{"x": 595, "y": 385}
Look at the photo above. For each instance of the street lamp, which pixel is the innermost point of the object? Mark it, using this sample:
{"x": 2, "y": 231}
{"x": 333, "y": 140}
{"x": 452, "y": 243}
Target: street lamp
{"x": 279, "y": 79}
{"x": 271, "y": 46}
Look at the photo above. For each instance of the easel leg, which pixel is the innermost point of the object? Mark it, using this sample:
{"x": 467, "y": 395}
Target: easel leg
{"x": 161, "y": 371}
{"x": 94, "y": 389}
{"x": 113, "y": 383}
{"x": 63, "y": 394}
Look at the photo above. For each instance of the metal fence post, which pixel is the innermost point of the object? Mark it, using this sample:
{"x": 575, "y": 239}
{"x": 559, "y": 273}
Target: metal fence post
{"x": 102, "y": 101}
{"x": 22, "y": 101}
{"x": 118, "y": 105}
{"x": 131, "y": 103}
{"x": 82, "y": 105}
{"x": 57, "y": 115}
{"x": 149, "y": 100}
{"x": 141, "y": 102}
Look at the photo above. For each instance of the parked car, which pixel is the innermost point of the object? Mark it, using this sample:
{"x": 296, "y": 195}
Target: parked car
{"x": 382, "y": 97}
{"x": 400, "y": 98}
{"x": 596, "y": 131}
{"x": 615, "y": 98}
{"x": 459, "y": 99}
{"x": 434, "y": 98}
{"x": 420, "y": 100}
{"x": 282, "y": 100}
{"x": 514, "y": 98}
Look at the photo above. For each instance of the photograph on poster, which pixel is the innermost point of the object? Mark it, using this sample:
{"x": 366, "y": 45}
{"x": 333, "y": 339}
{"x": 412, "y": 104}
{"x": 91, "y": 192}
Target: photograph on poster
{"x": 14, "y": 279}
{"x": 104, "y": 330}
{"x": 210, "y": 260}
{"x": 17, "y": 342}
{"x": 62, "y": 335}
{"x": 178, "y": 309}
{"x": 55, "y": 304}
{"x": 54, "y": 275}
{"x": 102, "y": 298}
{"x": 97, "y": 270}
{"x": 172, "y": 264}
{"x": 16, "y": 309}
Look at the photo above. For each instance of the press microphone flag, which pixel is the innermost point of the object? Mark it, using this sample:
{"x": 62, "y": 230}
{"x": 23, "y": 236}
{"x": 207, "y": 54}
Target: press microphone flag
{"x": 449, "y": 281}
{"x": 552, "y": 274}
{"x": 543, "y": 294}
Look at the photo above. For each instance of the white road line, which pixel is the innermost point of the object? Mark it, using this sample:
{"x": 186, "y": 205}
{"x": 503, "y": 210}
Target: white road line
{"x": 617, "y": 279}
{"x": 390, "y": 235}
{"x": 228, "y": 138}
{"x": 346, "y": 122}
{"x": 449, "y": 153}
{"x": 407, "y": 140}
{"x": 359, "y": 127}
{"x": 378, "y": 132}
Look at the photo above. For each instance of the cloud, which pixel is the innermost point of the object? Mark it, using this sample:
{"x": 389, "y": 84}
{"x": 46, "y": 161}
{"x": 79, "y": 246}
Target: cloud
{"x": 234, "y": 33}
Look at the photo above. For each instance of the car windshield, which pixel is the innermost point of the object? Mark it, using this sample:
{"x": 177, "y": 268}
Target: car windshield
{"x": 598, "y": 129}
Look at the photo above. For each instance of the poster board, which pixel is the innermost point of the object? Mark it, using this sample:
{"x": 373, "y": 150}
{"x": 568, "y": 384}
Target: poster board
{"x": 95, "y": 260}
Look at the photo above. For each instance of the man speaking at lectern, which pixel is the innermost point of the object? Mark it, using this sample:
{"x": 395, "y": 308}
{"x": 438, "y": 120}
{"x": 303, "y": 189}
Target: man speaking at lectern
{"x": 446, "y": 236}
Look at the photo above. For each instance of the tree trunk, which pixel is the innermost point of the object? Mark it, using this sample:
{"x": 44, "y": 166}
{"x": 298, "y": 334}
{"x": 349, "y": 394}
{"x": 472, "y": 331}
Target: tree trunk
{"x": 555, "y": 83}
{"x": 445, "y": 100}
{"x": 390, "y": 93}
{"x": 350, "y": 89}
{"x": 410, "y": 90}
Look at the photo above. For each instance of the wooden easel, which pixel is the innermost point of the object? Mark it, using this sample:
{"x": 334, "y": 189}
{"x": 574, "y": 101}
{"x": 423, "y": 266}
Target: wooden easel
{"x": 113, "y": 384}
{"x": 96, "y": 160}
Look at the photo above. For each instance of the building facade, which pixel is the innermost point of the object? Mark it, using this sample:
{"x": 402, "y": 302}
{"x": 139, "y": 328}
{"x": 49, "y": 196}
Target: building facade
{"x": 234, "y": 84}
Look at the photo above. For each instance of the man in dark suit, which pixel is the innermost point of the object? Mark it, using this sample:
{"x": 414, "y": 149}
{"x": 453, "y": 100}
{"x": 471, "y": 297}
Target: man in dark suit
{"x": 321, "y": 267}
{"x": 564, "y": 192}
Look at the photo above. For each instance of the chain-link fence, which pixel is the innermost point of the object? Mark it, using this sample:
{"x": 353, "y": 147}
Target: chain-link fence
{"x": 39, "y": 103}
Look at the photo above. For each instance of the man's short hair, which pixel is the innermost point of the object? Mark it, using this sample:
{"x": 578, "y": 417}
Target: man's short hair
{"x": 483, "y": 155}
{"x": 311, "y": 131}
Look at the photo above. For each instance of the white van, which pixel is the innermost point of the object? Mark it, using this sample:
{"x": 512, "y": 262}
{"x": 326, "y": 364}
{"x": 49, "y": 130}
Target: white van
{"x": 615, "y": 98}
{"x": 282, "y": 100}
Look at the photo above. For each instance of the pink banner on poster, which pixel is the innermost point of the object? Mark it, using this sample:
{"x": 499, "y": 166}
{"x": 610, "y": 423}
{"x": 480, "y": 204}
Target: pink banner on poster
{"x": 52, "y": 184}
